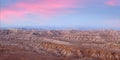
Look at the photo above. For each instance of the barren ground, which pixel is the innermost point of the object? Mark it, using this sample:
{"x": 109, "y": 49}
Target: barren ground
{"x": 59, "y": 45}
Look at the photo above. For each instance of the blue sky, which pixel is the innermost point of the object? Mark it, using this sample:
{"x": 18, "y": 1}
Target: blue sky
{"x": 67, "y": 13}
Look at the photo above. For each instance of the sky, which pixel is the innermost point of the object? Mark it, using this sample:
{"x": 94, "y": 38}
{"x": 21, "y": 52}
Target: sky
{"x": 97, "y": 14}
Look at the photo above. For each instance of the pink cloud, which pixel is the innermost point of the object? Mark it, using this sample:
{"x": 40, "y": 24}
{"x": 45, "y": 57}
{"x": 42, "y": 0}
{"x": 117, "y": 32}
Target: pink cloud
{"x": 44, "y": 7}
{"x": 113, "y": 2}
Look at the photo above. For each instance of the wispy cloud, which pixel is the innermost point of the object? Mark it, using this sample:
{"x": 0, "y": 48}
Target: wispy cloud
{"x": 113, "y": 2}
{"x": 48, "y": 7}
{"x": 42, "y": 7}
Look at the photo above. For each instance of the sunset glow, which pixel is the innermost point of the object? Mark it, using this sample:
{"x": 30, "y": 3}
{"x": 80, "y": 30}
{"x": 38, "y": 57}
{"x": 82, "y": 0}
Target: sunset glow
{"x": 67, "y": 13}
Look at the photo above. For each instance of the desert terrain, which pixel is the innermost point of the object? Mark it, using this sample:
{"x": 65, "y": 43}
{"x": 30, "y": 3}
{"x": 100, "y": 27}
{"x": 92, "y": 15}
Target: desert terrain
{"x": 18, "y": 44}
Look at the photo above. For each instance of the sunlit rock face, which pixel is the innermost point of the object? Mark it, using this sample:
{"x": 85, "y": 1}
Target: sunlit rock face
{"x": 16, "y": 44}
